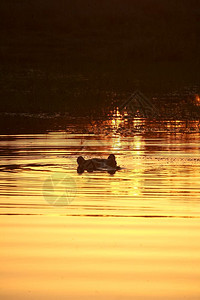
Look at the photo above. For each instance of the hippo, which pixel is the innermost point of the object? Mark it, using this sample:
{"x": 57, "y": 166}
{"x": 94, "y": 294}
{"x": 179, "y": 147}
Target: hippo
{"x": 95, "y": 164}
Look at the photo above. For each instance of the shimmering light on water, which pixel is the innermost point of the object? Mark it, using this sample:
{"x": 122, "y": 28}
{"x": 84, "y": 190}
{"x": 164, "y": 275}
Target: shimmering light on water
{"x": 131, "y": 235}
{"x": 197, "y": 100}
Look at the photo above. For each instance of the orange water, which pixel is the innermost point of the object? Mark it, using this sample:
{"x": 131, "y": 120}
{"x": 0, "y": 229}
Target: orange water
{"x": 131, "y": 235}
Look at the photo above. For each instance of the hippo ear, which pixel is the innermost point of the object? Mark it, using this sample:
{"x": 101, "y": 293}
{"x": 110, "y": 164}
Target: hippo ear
{"x": 80, "y": 160}
{"x": 111, "y": 157}
{"x": 111, "y": 161}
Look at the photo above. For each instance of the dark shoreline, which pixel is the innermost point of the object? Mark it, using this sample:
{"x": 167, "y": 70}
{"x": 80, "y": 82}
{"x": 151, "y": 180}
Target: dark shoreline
{"x": 80, "y": 56}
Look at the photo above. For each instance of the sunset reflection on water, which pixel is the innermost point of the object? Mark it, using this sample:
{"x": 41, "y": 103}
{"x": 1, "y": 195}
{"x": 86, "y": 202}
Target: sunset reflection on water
{"x": 134, "y": 234}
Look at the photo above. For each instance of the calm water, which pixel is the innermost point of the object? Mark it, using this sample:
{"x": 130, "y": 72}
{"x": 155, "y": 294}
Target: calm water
{"x": 131, "y": 235}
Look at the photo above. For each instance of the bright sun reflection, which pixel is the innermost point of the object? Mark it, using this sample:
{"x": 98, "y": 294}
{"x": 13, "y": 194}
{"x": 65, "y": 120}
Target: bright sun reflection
{"x": 120, "y": 119}
{"x": 117, "y": 143}
{"x": 197, "y": 98}
{"x": 116, "y": 118}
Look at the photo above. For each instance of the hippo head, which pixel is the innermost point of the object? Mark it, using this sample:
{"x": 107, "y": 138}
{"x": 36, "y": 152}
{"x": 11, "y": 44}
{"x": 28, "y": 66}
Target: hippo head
{"x": 80, "y": 161}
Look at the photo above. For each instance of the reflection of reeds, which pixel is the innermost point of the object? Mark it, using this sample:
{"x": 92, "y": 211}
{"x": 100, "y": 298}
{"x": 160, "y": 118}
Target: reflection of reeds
{"x": 111, "y": 125}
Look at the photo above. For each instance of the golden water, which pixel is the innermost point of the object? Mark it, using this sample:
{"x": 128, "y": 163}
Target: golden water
{"x": 131, "y": 235}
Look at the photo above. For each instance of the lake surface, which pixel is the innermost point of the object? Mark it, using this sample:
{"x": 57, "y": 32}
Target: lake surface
{"x": 131, "y": 235}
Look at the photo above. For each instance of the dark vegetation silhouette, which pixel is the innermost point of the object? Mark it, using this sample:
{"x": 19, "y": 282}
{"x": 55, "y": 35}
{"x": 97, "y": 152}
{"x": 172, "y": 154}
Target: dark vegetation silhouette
{"x": 80, "y": 55}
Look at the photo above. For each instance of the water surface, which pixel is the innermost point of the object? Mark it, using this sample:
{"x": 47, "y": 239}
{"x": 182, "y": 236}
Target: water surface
{"x": 134, "y": 234}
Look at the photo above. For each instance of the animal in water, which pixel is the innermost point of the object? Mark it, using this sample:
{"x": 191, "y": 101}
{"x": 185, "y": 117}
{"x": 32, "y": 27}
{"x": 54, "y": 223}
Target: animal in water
{"x": 95, "y": 164}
